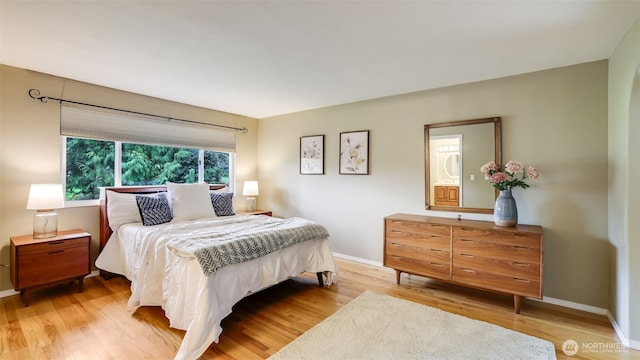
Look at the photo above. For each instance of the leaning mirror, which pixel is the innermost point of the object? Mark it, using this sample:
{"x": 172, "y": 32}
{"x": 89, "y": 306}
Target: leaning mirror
{"x": 454, "y": 153}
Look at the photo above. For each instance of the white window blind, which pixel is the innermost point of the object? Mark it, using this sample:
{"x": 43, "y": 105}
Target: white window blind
{"x": 104, "y": 124}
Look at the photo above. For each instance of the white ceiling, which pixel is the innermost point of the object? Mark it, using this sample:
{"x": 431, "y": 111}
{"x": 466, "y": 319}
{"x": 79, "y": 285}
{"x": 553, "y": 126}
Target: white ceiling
{"x": 264, "y": 58}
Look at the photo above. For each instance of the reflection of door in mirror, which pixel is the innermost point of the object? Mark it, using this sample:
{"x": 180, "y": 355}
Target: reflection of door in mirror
{"x": 445, "y": 169}
{"x": 461, "y": 188}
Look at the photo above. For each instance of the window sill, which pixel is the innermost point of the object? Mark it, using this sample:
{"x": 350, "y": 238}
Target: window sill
{"x": 81, "y": 203}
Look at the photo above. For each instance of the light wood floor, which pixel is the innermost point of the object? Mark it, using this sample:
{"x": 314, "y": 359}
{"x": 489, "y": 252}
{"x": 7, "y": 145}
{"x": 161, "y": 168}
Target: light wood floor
{"x": 95, "y": 324}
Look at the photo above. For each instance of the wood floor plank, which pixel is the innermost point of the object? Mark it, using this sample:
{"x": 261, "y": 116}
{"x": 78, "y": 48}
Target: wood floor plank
{"x": 64, "y": 324}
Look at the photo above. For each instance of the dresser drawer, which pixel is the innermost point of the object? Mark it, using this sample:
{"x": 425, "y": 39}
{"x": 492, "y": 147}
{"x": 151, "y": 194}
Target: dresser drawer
{"x": 505, "y": 267}
{"x": 60, "y": 264}
{"x": 54, "y": 246}
{"x": 499, "y": 250}
{"x": 497, "y": 236}
{"x": 430, "y": 268}
{"x": 421, "y": 251}
{"x": 418, "y": 227}
{"x": 427, "y": 240}
{"x": 506, "y": 284}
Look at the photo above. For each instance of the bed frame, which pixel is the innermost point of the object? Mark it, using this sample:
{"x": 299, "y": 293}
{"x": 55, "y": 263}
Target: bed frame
{"x": 105, "y": 229}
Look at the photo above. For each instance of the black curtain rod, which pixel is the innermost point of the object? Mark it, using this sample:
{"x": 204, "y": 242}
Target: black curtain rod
{"x": 35, "y": 94}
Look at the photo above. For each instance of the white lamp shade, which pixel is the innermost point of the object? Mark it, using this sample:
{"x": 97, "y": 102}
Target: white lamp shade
{"x": 45, "y": 197}
{"x": 250, "y": 188}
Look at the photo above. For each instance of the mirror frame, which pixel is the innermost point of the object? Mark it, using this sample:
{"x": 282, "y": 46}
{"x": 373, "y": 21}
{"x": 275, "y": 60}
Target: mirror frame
{"x": 497, "y": 131}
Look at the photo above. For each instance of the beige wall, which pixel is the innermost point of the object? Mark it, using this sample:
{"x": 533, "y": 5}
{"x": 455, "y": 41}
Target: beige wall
{"x": 30, "y": 146}
{"x": 624, "y": 177}
{"x": 555, "y": 119}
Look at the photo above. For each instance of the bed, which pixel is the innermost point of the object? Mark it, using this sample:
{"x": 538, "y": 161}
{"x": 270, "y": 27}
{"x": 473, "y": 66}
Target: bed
{"x": 196, "y": 286}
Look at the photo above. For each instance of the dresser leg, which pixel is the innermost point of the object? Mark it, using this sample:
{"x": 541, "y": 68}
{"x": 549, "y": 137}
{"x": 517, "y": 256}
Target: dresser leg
{"x": 25, "y": 296}
{"x": 517, "y": 303}
{"x": 81, "y": 284}
{"x": 398, "y": 272}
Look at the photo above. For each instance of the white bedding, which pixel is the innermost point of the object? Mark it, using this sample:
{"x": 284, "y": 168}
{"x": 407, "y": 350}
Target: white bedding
{"x": 192, "y": 301}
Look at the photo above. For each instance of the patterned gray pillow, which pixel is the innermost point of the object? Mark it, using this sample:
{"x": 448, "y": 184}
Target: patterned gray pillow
{"x": 222, "y": 203}
{"x": 154, "y": 209}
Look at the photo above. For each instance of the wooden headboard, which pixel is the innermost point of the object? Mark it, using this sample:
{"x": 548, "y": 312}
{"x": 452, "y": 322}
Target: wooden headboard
{"x": 105, "y": 229}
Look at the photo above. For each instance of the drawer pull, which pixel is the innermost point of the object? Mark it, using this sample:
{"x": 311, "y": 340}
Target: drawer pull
{"x": 522, "y": 280}
{"x": 467, "y": 270}
{"x": 56, "y": 251}
{"x": 521, "y": 247}
{"x": 467, "y": 255}
{"x": 435, "y": 250}
{"x": 435, "y": 264}
{"x": 395, "y": 231}
{"x": 56, "y": 242}
{"x": 521, "y": 264}
{"x": 465, "y": 240}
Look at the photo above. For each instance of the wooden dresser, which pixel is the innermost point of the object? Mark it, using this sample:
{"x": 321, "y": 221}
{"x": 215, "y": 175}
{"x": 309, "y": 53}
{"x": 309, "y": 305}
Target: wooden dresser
{"x": 473, "y": 253}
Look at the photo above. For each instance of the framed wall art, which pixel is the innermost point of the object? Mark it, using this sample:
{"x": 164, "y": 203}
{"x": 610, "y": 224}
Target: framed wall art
{"x": 354, "y": 152}
{"x": 312, "y": 155}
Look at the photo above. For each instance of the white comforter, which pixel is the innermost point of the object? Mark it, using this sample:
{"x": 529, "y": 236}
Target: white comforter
{"x": 192, "y": 301}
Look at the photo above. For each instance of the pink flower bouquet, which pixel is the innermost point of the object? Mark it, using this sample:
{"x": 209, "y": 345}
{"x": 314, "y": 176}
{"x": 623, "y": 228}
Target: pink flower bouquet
{"x": 512, "y": 175}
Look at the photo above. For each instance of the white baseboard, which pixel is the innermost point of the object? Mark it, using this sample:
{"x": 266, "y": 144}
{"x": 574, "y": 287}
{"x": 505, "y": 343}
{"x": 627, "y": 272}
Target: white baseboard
{"x": 9, "y": 292}
{"x": 358, "y": 260}
{"x": 564, "y": 303}
{"x": 633, "y": 344}
{"x": 573, "y": 305}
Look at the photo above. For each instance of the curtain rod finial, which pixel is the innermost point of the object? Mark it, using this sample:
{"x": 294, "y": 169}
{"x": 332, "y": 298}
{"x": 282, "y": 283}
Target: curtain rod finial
{"x": 35, "y": 94}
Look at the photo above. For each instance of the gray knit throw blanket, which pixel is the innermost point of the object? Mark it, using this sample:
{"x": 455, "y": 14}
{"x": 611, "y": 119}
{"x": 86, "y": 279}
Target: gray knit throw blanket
{"x": 242, "y": 242}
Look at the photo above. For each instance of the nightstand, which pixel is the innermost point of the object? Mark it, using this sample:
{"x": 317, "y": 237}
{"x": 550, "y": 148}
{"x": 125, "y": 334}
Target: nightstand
{"x": 39, "y": 262}
{"x": 257, "y": 212}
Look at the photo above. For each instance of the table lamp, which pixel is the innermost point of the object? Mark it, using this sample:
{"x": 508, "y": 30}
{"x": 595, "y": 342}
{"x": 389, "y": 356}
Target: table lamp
{"x": 250, "y": 189}
{"x": 45, "y": 198}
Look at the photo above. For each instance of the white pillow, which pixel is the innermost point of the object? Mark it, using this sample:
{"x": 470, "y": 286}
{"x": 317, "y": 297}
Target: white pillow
{"x": 190, "y": 201}
{"x": 121, "y": 209}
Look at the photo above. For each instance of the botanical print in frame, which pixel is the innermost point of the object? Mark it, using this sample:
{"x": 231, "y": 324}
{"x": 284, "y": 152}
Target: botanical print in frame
{"x": 354, "y": 152}
{"x": 312, "y": 155}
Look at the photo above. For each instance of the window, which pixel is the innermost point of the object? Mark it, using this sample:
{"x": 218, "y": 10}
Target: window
{"x": 91, "y": 164}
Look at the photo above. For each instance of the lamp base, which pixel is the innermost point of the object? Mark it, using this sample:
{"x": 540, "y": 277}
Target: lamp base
{"x": 251, "y": 204}
{"x": 45, "y": 224}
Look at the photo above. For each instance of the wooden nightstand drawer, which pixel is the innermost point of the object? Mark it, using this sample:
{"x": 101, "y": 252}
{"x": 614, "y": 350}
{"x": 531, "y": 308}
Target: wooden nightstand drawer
{"x": 38, "y": 262}
{"x": 54, "y": 246}
{"x": 58, "y": 265}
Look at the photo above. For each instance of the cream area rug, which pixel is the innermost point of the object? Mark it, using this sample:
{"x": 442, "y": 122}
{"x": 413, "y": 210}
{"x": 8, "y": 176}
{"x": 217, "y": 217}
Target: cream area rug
{"x": 377, "y": 326}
